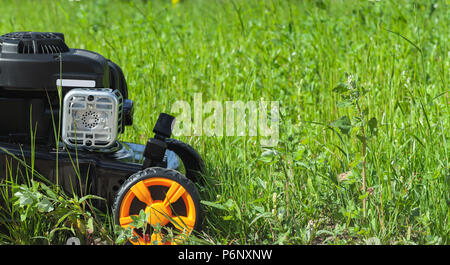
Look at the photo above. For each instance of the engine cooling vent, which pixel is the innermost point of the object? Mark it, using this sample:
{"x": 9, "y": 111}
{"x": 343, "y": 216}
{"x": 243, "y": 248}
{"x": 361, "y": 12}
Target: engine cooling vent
{"x": 92, "y": 117}
{"x": 33, "y": 43}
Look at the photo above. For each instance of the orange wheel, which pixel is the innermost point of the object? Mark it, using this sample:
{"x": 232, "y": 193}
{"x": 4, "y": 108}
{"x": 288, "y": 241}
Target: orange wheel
{"x": 169, "y": 200}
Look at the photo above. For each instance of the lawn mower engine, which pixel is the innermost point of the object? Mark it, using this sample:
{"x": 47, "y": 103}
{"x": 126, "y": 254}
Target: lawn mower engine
{"x": 62, "y": 109}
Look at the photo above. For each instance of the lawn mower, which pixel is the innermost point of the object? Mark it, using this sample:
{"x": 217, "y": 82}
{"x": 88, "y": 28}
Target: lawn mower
{"x": 64, "y": 109}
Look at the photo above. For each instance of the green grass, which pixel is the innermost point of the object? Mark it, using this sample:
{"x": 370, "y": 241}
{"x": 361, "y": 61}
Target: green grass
{"x": 294, "y": 52}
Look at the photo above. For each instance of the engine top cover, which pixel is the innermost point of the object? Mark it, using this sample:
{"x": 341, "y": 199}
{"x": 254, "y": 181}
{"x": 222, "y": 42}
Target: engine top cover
{"x": 40, "y": 61}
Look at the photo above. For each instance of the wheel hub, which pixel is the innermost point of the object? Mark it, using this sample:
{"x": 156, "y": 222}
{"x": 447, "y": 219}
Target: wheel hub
{"x": 158, "y": 214}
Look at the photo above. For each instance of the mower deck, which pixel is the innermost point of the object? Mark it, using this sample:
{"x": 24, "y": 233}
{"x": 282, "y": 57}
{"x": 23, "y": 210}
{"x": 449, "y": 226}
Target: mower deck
{"x": 84, "y": 172}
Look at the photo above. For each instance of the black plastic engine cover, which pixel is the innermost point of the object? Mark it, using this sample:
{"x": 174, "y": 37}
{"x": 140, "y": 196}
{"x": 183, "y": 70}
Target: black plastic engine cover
{"x": 39, "y": 69}
{"x": 31, "y": 63}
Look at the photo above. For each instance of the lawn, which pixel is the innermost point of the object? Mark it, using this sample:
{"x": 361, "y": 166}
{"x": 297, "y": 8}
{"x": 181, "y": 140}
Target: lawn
{"x": 362, "y": 155}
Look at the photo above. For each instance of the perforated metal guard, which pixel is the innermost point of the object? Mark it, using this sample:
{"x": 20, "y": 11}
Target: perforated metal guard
{"x": 92, "y": 117}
